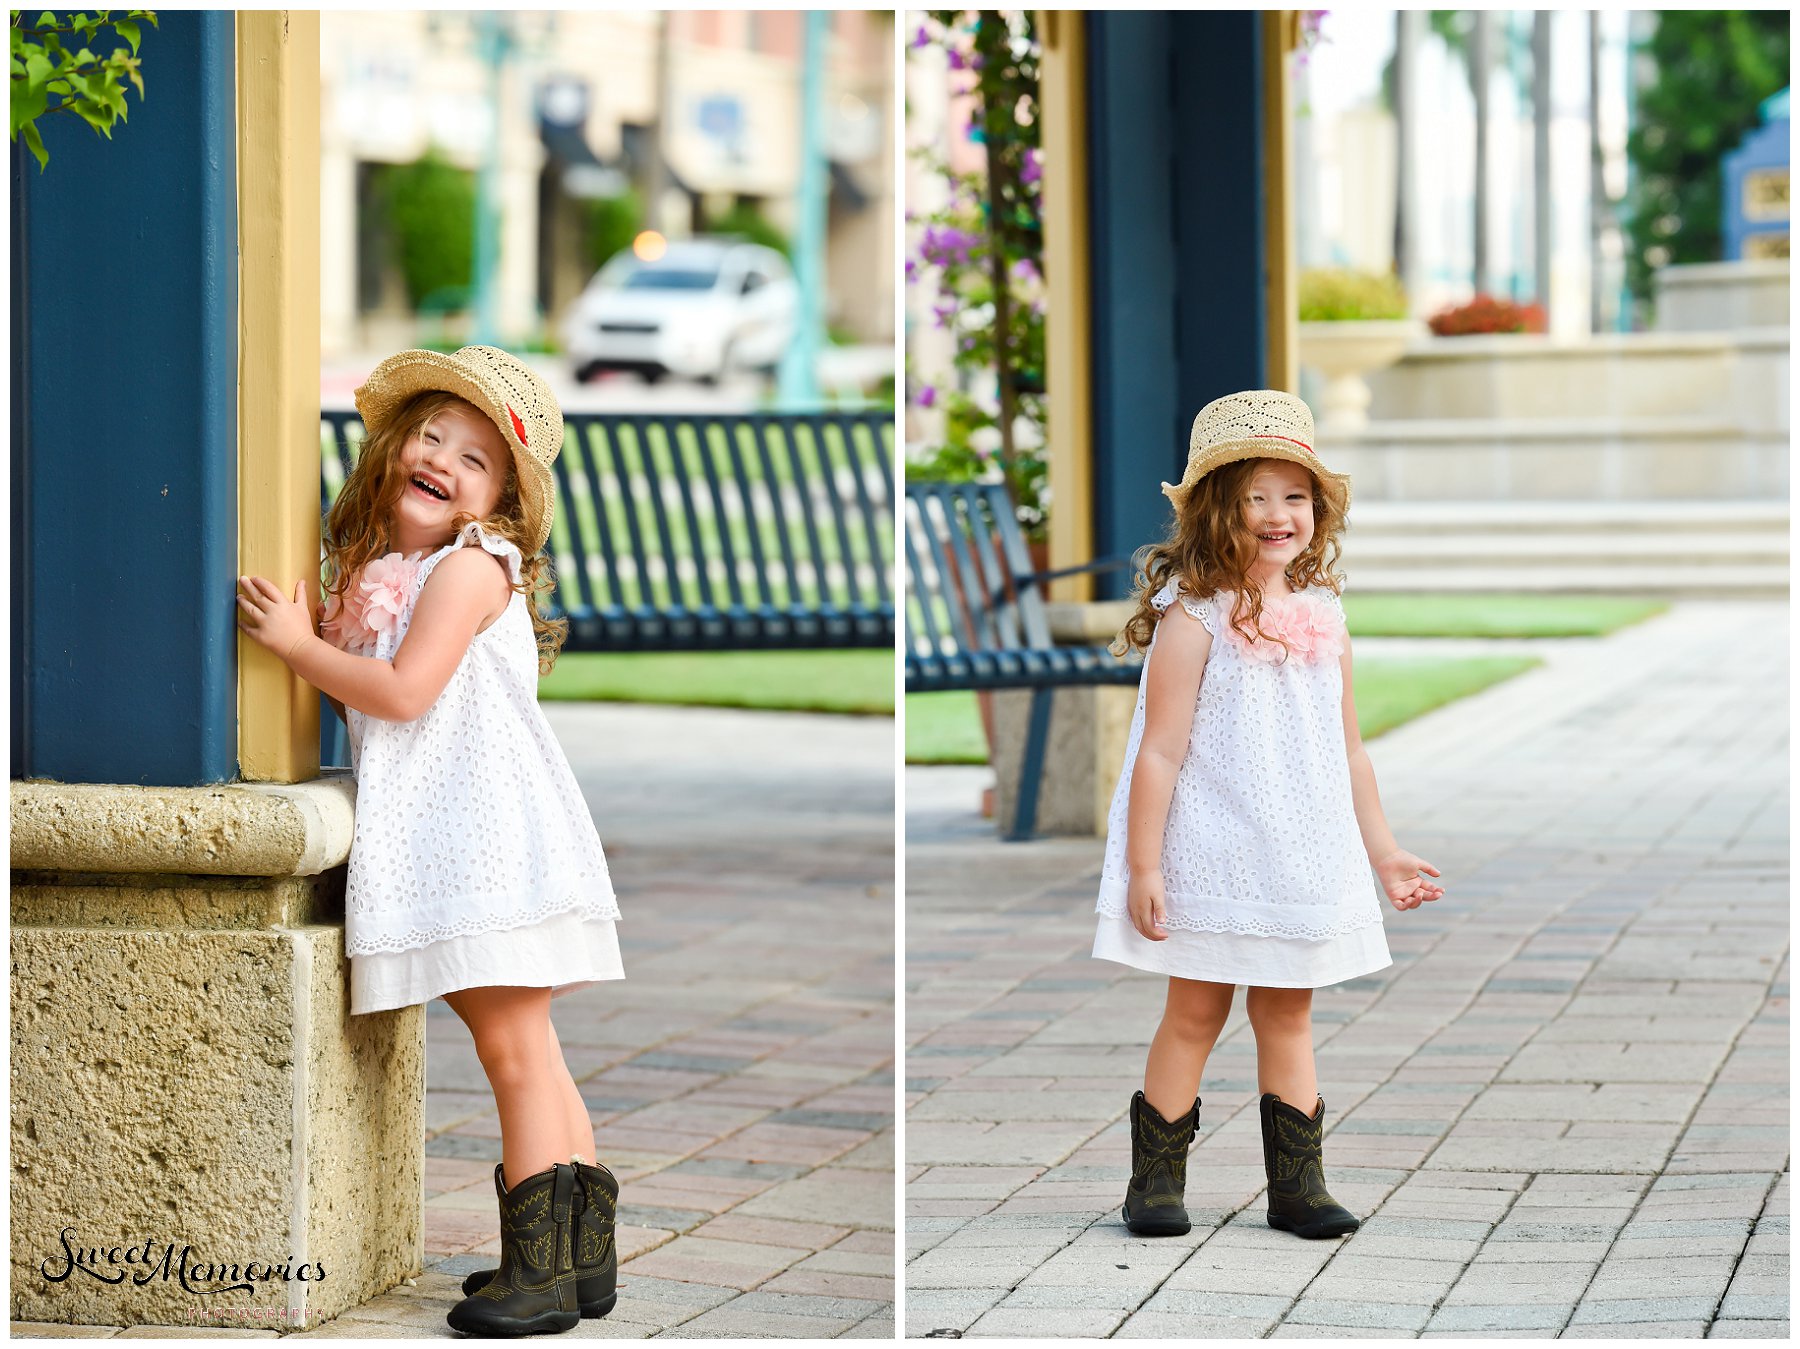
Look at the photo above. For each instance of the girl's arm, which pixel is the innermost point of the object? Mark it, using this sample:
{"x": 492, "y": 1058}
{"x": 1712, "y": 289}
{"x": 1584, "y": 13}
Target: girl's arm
{"x": 460, "y": 594}
{"x": 1172, "y": 685}
{"x": 1402, "y": 875}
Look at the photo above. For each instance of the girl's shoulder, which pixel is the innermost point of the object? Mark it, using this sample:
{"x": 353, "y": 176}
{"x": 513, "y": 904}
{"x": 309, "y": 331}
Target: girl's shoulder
{"x": 1206, "y": 608}
{"x": 474, "y": 536}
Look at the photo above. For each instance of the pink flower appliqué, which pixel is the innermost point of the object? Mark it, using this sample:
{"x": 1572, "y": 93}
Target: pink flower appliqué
{"x": 372, "y": 603}
{"x": 1309, "y": 627}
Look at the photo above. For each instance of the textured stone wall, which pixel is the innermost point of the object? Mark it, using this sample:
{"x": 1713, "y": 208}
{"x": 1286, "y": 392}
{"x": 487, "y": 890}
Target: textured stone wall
{"x": 188, "y": 1085}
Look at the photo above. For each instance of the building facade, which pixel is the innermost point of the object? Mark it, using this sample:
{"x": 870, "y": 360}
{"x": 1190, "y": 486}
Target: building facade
{"x": 577, "y": 102}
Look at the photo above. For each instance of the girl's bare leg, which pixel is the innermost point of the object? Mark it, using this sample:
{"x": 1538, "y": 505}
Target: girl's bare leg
{"x": 1282, "y": 1021}
{"x": 1192, "y": 1019}
{"x": 581, "y": 1126}
{"x": 511, "y": 1027}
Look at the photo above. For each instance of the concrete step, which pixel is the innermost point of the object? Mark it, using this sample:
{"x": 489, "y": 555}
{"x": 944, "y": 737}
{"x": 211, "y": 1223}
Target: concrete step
{"x": 1451, "y": 548}
{"x": 1677, "y": 582}
{"x": 1530, "y": 517}
{"x": 1651, "y": 459}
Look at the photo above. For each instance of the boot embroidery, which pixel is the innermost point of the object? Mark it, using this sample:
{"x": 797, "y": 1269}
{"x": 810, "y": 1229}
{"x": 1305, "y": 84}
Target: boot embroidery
{"x": 535, "y": 1251}
{"x": 533, "y": 1210}
{"x": 593, "y": 1247}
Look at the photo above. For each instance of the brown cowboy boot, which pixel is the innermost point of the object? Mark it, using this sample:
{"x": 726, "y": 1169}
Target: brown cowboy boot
{"x": 534, "y": 1289}
{"x": 1293, "y": 1161}
{"x": 596, "y": 1258}
{"x": 1159, "y": 1149}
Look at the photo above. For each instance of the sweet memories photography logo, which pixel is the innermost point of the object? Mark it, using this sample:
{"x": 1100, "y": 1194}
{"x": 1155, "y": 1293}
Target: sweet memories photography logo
{"x": 140, "y": 1263}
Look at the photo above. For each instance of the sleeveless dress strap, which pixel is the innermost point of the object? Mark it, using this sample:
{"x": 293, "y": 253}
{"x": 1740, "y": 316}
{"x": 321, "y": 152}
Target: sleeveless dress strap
{"x": 473, "y": 533}
{"x": 1203, "y": 608}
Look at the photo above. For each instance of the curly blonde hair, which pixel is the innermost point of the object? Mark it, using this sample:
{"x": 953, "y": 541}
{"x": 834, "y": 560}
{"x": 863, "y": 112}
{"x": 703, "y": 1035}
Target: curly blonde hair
{"x": 1210, "y": 548}
{"x": 357, "y": 526}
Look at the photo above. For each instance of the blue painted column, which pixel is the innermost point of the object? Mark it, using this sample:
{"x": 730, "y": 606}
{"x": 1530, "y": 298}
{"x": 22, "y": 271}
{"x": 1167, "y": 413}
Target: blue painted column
{"x": 1176, "y": 248}
{"x": 124, "y": 377}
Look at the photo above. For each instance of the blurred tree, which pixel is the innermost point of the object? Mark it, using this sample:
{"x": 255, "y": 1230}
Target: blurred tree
{"x": 612, "y": 223}
{"x": 430, "y": 207}
{"x": 1469, "y": 35}
{"x": 744, "y": 219}
{"x": 1713, "y": 67}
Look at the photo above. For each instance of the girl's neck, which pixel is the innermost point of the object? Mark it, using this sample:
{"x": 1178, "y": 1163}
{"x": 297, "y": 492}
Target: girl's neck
{"x": 1273, "y": 582}
{"x": 407, "y": 544}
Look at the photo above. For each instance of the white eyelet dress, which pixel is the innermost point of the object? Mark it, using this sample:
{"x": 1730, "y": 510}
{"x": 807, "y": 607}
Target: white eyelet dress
{"x": 475, "y": 862}
{"x": 1264, "y": 874}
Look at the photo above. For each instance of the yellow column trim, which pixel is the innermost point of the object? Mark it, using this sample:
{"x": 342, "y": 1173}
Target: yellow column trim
{"x": 1280, "y": 36}
{"x": 278, "y": 368}
{"x": 1062, "y": 104}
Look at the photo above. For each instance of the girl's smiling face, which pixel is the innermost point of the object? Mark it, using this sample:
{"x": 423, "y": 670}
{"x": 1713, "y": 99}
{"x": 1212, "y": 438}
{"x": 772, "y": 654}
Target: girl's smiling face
{"x": 453, "y": 465}
{"x": 1278, "y": 511}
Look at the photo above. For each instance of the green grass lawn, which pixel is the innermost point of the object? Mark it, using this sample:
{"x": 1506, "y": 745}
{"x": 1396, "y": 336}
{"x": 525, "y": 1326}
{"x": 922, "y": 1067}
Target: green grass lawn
{"x": 946, "y": 727}
{"x": 1391, "y": 691}
{"x": 787, "y": 681}
{"x": 1493, "y": 615}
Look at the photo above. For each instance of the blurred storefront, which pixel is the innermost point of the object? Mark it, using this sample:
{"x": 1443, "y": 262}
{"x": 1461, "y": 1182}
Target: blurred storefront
{"x": 578, "y": 103}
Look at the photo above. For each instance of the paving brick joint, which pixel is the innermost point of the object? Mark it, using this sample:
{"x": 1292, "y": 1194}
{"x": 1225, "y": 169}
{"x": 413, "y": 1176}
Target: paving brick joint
{"x": 740, "y": 1077}
{"x": 1562, "y": 1111}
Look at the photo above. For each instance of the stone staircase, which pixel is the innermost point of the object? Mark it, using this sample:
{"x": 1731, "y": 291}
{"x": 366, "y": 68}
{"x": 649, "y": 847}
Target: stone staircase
{"x": 1686, "y": 549}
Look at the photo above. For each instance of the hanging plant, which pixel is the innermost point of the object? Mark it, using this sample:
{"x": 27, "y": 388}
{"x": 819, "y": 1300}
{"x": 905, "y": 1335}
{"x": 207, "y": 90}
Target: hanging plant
{"x": 83, "y": 84}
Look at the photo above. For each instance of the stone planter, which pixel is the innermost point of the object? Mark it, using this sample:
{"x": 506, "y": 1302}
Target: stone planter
{"x": 1344, "y": 352}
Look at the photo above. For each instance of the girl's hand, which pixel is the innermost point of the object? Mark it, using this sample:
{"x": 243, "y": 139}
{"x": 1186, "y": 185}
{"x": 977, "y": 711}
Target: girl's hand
{"x": 1403, "y": 877}
{"x": 270, "y": 618}
{"x": 1145, "y": 904}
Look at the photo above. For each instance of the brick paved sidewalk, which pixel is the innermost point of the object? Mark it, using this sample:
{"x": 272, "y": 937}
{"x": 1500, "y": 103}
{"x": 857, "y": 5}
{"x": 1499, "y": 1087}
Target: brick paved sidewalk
{"x": 1563, "y": 1110}
{"x": 741, "y": 1076}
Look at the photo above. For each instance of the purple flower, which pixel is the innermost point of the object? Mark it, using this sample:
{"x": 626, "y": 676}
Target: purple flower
{"x": 922, "y": 38}
{"x": 1025, "y": 269}
{"x": 927, "y": 396}
{"x": 946, "y": 245}
{"x": 1032, "y": 167}
{"x": 956, "y": 60}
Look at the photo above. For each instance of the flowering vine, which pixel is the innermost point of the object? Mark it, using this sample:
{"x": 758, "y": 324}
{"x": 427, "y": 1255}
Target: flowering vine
{"x": 979, "y": 259}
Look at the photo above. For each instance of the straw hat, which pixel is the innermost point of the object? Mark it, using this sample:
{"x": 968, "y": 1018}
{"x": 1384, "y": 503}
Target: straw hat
{"x": 1255, "y": 424}
{"x": 513, "y": 395}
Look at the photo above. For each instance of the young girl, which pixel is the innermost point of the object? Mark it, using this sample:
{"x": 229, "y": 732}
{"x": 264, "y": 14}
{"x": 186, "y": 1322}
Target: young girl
{"x": 1246, "y": 817}
{"x": 475, "y": 874}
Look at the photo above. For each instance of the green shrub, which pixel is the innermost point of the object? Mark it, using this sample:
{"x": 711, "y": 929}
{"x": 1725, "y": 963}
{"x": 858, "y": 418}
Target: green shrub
{"x": 744, "y": 219}
{"x": 430, "y": 208}
{"x": 612, "y": 223}
{"x": 1337, "y": 294}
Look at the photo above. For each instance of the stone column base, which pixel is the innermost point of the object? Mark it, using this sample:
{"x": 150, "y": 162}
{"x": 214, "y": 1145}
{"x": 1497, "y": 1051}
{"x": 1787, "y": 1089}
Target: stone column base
{"x": 1088, "y": 730}
{"x": 193, "y": 1107}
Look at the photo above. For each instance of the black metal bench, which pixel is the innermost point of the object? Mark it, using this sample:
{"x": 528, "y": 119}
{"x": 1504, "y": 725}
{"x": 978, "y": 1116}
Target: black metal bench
{"x": 976, "y": 619}
{"x": 710, "y": 531}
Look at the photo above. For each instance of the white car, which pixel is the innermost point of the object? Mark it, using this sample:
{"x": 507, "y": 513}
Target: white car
{"x": 702, "y": 308}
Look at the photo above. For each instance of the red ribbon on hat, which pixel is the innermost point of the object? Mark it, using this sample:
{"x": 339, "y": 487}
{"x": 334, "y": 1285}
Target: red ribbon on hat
{"x": 518, "y": 426}
{"x": 1265, "y": 435}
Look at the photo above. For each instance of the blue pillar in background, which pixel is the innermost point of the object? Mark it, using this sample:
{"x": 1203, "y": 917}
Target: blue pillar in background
{"x": 1177, "y": 249}
{"x": 124, "y": 429}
